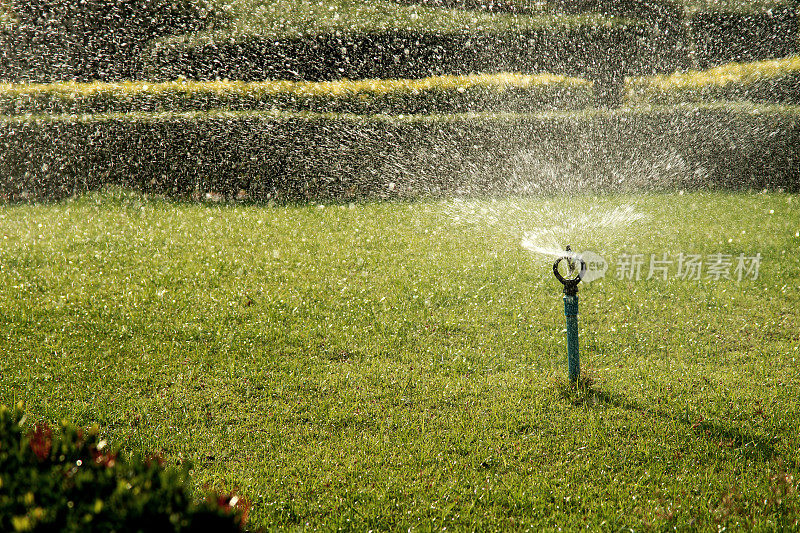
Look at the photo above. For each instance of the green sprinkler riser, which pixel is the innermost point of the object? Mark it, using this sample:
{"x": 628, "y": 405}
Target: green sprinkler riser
{"x": 573, "y": 355}
{"x": 571, "y": 311}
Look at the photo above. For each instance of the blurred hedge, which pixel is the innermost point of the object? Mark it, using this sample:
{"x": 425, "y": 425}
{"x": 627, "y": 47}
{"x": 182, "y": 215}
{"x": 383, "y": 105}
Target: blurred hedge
{"x": 593, "y": 47}
{"x": 705, "y": 33}
{"x": 264, "y": 155}
{"x": 67, "y": 479}
{"x": 53, "y": 40}
{"x": 723, "y": 35}
{"x": 776, "y": 81}
{"x": 8, "y": 24}
{"x": 444, "y": 94}
{"x": 603, "y": 40}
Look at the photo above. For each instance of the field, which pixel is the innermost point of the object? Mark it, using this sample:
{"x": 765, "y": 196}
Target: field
{"x": 296, "y": 255}
{"x": 398, "y": 365}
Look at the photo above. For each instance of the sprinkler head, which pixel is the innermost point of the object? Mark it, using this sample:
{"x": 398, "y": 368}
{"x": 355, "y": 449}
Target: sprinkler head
{"x": 570, "y": 284}
{"x": 570, "y": 260}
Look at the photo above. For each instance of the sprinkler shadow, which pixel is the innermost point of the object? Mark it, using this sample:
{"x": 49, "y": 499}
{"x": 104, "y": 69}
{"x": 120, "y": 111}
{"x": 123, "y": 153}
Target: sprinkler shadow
{"x": 587, "y": 393}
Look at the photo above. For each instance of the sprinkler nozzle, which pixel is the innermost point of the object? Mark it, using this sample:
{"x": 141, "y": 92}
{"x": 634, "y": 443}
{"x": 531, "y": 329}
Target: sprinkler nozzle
{"x": 570, "y": 259}
{"x": 570, "y": 284}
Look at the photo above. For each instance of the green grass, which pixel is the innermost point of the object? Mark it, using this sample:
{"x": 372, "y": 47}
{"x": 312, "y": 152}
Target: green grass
{"x": 401, "y": 365}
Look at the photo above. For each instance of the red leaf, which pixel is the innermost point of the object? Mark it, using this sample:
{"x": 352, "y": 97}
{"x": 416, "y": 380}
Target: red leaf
{"x": 41, "y": 440}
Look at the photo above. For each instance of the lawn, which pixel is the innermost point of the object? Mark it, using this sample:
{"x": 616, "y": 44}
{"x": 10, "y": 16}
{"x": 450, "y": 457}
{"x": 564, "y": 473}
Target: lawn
{"x": 403, "y": 365}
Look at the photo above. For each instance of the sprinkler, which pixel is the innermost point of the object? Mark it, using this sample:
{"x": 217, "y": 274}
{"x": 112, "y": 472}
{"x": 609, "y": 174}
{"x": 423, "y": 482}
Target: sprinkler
{"x": 571, "y": 309}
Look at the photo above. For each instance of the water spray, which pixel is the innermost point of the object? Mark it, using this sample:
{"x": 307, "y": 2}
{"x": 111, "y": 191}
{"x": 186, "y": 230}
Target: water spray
{"x": 571, "y": 308}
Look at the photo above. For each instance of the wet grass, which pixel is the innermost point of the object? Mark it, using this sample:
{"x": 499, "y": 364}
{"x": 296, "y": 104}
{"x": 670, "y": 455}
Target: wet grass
{"x": 401, "y": 365}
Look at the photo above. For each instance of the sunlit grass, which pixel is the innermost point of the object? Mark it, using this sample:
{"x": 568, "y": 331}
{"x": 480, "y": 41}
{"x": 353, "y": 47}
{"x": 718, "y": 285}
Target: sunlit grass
{"x": 498, "y": 82}
{"x": 730, "y": 73}
{"x": 396, "y": 365}
{"x": 734, "y": 6}
{"x": 772, "y": 80}
{"x": 485, "y": 92}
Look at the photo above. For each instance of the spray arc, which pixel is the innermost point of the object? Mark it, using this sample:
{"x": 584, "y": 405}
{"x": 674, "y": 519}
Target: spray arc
{"x": 571, "y": 307}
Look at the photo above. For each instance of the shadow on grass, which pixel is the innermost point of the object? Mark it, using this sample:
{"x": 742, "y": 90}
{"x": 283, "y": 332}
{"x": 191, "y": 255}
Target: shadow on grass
{"x": 587, "y": 393}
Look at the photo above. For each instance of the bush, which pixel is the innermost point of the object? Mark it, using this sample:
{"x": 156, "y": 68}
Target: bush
{"x": 776, "y": 81}
{"x": 582, "y": 50}
{"x": 384, "y": 40}
{"x": 601, "y": 53}
{"x": 68, "y": 480}
{"x": 8, "y": 25}
{"x": 444, "y": 94}
{"x": 602, "y": 40}
{"x": 94, "y": 39}
{"x": 721, "y": 36}
{"x": 265, "y": 155}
